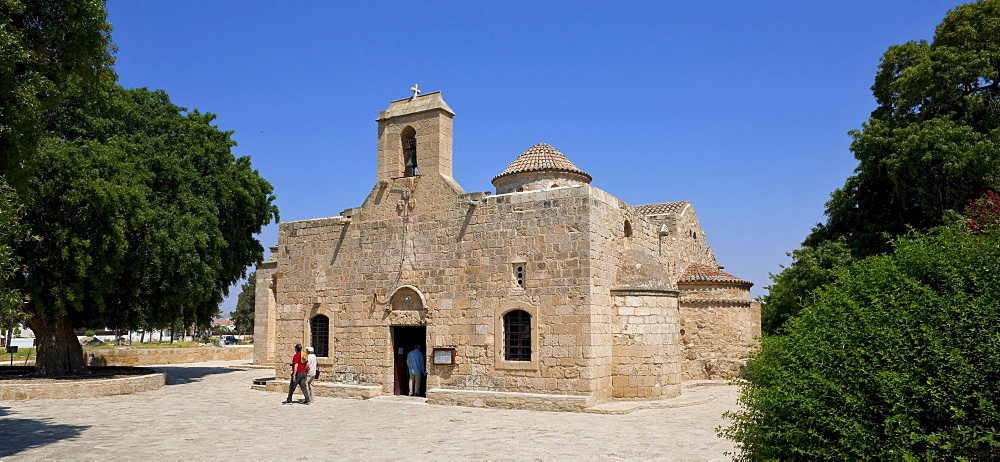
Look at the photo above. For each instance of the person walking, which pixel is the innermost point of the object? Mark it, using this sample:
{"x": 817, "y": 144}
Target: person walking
{"x": 311, "y": 371}
{"x": 415, "y": 364}
{"x": 299, "y": 367}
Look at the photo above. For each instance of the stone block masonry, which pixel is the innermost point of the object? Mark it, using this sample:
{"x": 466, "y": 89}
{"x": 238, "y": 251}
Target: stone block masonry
{"x": 551, "y": 294}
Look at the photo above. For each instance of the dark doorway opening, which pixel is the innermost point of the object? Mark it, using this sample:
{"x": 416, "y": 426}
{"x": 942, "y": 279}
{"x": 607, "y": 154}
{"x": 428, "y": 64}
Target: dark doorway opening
{"x": 403, "y": 339}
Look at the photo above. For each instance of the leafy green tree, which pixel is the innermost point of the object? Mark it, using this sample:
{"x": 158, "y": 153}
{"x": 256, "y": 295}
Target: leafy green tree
{"x": 145, "y": 217}
{"x": 811, "y": 267}
{"x": 929, "y": 146}
{"x": 45, "y": 46}
{"x": 897, "y": 359}
{"x": 12, "y": 231}
{"x": 245, "y": 305}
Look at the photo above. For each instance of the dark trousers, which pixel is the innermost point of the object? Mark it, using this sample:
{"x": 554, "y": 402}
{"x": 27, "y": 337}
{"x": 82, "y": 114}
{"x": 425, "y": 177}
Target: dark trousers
{"x": 300, "y": 380}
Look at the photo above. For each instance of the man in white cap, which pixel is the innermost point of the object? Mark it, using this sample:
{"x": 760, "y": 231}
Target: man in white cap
{"x": 311, "y": 371}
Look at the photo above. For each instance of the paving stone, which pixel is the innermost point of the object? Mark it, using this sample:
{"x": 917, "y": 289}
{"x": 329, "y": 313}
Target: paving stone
{"x": 208, "y": 411}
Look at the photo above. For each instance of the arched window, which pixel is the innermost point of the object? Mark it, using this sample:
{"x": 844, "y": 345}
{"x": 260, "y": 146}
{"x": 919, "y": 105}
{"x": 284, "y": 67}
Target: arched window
{"x": 319, "y": 326}
{"x": 409, "y": 141}
{"x": 628, "y": 229}
{"x": 517, "y": 336}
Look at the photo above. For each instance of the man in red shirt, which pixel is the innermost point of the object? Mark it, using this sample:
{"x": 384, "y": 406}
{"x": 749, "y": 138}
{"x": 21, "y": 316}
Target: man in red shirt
{"x": 298, "y": 376}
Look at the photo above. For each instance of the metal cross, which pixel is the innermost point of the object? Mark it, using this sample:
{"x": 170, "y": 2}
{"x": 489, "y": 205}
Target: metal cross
{"x": 415, "y": 90}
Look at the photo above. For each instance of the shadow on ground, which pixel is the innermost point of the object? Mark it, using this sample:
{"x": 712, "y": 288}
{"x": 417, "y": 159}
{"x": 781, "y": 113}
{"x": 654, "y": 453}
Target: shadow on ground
{"x": 179, "y": 375}
{"x": 22, "y": 434}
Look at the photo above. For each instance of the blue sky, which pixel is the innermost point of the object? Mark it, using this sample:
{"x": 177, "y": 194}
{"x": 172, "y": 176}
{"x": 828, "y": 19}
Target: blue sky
{"x": 742, "y": 108}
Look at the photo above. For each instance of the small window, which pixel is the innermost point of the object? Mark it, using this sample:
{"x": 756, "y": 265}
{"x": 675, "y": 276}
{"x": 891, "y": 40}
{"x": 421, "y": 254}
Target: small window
{"x": 628, "y": 229}
{"x": 519, "y": 275}
{"x": 320, "y": 328}
{"x": 517, "y": 336}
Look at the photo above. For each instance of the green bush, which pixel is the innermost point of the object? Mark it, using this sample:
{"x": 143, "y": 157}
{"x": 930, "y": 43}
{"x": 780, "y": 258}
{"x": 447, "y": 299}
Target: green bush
{"x": 899, "y": 358}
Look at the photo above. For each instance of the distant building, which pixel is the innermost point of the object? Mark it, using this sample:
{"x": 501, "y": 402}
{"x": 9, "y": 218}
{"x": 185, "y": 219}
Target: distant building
{"x": 223, "y": 324}
{"x": 550, "y": 294}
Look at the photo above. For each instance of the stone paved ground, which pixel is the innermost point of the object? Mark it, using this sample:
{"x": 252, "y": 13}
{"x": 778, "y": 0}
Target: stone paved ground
{"x": 208, "y": 411}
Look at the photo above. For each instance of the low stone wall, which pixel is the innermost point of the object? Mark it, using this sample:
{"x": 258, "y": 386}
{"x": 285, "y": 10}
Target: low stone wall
{"x": 152, "y": 356}
{"x": 332, "y": 390}
{"x": 82, "y": 388}
{"x": 504, "y": 400}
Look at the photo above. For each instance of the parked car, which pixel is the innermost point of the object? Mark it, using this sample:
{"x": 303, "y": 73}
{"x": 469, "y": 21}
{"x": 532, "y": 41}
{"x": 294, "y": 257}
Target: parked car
{"x": 229, "y": 340}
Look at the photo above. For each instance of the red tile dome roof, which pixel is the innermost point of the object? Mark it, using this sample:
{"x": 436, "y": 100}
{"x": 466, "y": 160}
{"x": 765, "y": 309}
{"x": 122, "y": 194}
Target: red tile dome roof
{"x": 539, "y": 158}
{"x": 704, "y": 273}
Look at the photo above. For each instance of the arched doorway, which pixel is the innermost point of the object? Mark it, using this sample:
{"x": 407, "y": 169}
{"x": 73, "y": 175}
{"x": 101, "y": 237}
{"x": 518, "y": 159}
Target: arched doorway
{"x": 406, "y": 338}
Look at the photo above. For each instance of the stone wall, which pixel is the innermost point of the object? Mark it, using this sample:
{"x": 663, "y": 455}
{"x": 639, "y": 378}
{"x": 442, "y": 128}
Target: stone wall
{"x": 151, "y": 356}
{"x": 716, "y": 338}
{"x": 509, "y": 400}
{"x": 646, "y": 359}
{"x": 682, "y": 242}
{"x": 461, "y": 260}
{"x": 265, "y": 312}
{"x": 82, "y": 388}
{"x": 459, "y": 255}
{"x": 540, "y": 180}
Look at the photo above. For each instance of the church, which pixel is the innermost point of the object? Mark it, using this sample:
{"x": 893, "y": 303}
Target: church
{"x": 546, "y": 294}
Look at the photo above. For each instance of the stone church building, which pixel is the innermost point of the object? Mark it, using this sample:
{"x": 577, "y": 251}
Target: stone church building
{"x": 547, "y": 294}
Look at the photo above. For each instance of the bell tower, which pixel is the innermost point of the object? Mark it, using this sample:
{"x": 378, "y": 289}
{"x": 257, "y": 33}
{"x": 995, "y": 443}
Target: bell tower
{"x": 414, "y": 137}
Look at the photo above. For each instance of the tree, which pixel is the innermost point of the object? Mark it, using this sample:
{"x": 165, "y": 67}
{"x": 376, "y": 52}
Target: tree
{"x": 897, "y": 359}
{"x": 145, "y": 217}
{"x": 811, "y": 267}
{"x": 12, "y": 231}
{"x": 246, "y": 305}
{"x": 45, "y": 45}
{"x": 929, "y": 146}
{"x": 46, "y": 48}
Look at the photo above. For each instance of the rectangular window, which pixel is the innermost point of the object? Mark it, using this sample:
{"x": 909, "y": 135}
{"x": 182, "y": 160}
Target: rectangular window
{"x": 320, "y": 330}
{"x": 517, "y": 336}
{"x": 519, "y": 275}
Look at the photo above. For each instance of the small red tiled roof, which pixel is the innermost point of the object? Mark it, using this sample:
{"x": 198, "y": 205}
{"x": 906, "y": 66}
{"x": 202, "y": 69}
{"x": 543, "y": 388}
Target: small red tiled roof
{"x": 704, "y": 273}
{"x": 662, "y": 209}
{"x": 541, "y": 157}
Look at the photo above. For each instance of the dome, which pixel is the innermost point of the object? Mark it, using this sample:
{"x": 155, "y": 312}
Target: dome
{"x": 540, "y": 162}
{"x": 638, "y": 271}
{"x": 697, "y": 273}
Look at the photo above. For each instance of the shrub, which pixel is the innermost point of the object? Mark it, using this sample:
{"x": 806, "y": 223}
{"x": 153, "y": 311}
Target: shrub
{"x": 898, "y": 358}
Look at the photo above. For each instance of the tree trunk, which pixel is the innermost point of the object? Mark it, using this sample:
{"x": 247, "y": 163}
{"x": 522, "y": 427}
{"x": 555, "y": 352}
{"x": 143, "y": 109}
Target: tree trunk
{"x": 59, "y": 352}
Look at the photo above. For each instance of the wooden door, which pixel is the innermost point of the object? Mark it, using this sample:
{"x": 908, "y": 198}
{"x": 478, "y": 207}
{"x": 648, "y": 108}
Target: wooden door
{"x": 403, "y": 339}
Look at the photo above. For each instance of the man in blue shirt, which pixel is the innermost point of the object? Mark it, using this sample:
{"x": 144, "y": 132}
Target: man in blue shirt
{"x": 415, "y": 363}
